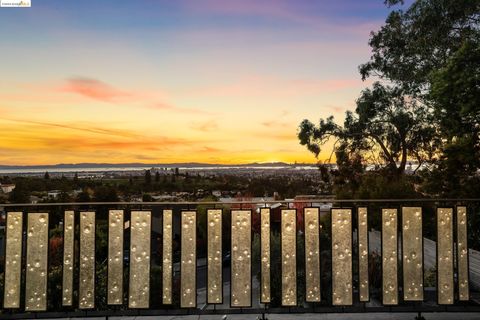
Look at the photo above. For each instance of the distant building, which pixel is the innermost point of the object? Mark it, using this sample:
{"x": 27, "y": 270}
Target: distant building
{"x": 248, "y": 200}
{"x": 34, "y": 199}
{"x": 164, "y": 197}
{"x": 7, "y": 188}
{"x": 53, "y": 194}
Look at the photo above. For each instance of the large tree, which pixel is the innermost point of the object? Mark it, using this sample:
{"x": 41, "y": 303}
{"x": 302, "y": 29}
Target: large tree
{"x": 426, "y": 61}
{"x": 386, "y": 129}
{"x": 431, "y": 50}
{"x": 456, "y": 94}
{"x": 415, "y": 42}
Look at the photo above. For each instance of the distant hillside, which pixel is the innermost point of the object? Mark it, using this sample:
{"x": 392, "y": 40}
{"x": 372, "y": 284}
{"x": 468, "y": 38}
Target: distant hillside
{"x": 139, "y": 164}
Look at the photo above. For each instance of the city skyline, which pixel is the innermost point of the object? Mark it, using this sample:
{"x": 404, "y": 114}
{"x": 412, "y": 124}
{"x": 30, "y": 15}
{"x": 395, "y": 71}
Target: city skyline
{"x": 190, "y": 81}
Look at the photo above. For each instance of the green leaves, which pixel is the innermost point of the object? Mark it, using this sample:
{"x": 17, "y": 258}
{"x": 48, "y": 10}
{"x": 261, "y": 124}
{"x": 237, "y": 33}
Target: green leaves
{"x": 414, "y": 43}
{"x": 387, "y": 127}
{"x": 313, "y": 137}
{"x": 456, "y": 92}
{"x": 424, "y": 107}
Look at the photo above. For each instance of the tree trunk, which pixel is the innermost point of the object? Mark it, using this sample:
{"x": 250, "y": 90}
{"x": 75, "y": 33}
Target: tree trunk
{"x": 403, "y": 162}
{"x": 389, "y": 156}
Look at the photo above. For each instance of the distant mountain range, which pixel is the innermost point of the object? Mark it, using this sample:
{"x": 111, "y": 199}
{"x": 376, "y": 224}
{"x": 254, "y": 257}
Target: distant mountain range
{"x": 156, "y": 165}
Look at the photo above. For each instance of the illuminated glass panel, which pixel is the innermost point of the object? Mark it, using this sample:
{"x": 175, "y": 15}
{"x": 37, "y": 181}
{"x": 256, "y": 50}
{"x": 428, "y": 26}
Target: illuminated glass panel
{"x": 37, "y": 264}
{"x": 389, "y": 256}
{"x": 462, "y": 254}
{"x": 412, "y": 243}
{"x": 68, "y": 257}
{"x": 364, "y": 291}
{"x": 342, "y": 257}
{"x": 214, "y": 269}
{"x": 13, "y": 260}
{"x": 241, "y": 279}
{"x": 445, "y": 289}
{"x": 87, "y": 260}
{"x": 265, "y": 253}
{"x": 188, "y": 293}
{"x": 312, "y": 254}
{"x": 289, "y": 258}
{"x": 167, "y": 256}
{"x": 115, "y": 257}
{"x": 139, "y": 286}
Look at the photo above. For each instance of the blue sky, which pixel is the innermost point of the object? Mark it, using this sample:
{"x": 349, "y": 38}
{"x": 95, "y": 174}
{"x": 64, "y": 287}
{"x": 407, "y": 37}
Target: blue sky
{"x": 168, "y": 81}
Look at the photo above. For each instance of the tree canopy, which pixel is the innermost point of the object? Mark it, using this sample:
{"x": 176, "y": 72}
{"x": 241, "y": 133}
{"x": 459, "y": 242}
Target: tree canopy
{"x": 417, "y": 41}
{"x": 386, "y": 129}
{"x": 425, "y": 104}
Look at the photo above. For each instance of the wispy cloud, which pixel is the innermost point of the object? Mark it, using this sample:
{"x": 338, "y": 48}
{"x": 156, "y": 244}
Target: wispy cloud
{"x": 207, "y": 149}
{"x": 89, "y": 129}
{"x": 278, "y": 122}
{"x": 56, "y": 138}
{"x": 205, "y": 126}
{"x": 94, "y": 89}
{"x": 101, "y": 91}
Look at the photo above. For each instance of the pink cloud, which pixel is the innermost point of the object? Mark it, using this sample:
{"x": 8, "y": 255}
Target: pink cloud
{"x": 94, "y": 89}
{"x": 101, "y": 91}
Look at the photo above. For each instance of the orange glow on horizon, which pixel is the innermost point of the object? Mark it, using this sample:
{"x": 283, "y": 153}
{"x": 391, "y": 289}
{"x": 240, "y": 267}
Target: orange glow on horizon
{"x": 91, "y": 121}
{"x": 39, "y": 143}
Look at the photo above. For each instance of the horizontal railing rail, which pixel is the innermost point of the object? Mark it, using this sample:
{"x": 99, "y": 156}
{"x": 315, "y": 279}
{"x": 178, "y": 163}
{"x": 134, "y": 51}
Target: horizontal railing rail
{"x": 176, "y": 203}
{"x": 241, "y": 256}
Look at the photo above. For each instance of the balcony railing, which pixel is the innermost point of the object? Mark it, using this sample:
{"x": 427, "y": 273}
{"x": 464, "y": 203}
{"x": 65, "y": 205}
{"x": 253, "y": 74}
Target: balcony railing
{"x": 315, "y": 255}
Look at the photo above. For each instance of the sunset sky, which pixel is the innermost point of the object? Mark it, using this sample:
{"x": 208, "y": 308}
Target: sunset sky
{"x": 214, "y": 81}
